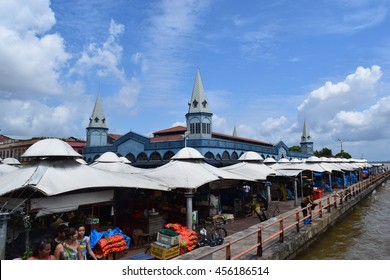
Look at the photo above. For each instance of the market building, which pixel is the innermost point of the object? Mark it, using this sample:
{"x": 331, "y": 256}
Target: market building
{"x": 219, "y": 149}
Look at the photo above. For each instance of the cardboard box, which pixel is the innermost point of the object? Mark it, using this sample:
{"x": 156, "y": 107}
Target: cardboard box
{"x": 168, "y": 239}
{"x": 164, "y": 253}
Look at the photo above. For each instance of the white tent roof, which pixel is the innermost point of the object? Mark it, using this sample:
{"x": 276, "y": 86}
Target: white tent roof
{"x": 188, "y": 170}
{"x": 290, "y": 173}
{"x": 269, "y": 160}
{"x": 68, "y": 202}
{"x": 251, "y": 156}
{"x": 5, "y": 168}
{"x": 11, "y": 161}
{"x": 52, "y": 177}
{"x": 109, "y": 161}
{"x": 255, "y": 171}
{"x": 108, "y": 157}
{"x": 298, "y": 166}
{"x": 51, "y": 148}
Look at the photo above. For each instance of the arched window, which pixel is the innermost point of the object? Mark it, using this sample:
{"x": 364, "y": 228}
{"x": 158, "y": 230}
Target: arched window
{"x": 234, "y": 155}
{"x": 225, "y": 155}
{"x": 218, "y": 157}
{"x": 209, "y": 155}
{"x": 168, "y": 155}
{"x": 142, "y": 157}
{"x": 155, "y": 156}
{"x": 130, "y": 157}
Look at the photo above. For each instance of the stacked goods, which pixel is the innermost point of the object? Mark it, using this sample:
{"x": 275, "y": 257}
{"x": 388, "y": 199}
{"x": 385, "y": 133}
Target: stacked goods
{"x": 166, "y": 246}
{"x": 188, "y": 238}
{"x": 111, "y": 244}
{"x": 163, "y": 251}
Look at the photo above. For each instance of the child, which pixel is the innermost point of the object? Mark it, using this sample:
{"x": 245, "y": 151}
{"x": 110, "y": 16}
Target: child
{"x": 85, "y": 245}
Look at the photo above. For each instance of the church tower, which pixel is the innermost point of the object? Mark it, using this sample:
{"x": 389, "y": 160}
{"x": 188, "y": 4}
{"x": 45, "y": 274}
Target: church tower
{"x": 306, "y": 140}
{"x": 97, "y": 129}
{"x": 199, "y": 118}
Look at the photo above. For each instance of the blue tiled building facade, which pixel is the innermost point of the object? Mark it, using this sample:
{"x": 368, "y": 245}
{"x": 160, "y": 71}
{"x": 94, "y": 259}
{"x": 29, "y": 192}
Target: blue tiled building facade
{"x": 219, "y": 149}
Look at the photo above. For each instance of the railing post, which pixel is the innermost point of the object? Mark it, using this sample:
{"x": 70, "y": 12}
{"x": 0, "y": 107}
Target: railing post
{"x": 335, "y": 201}
{"x": 297, "y": 220}
{"x": 328, "y": 203}
{"x": 281, "y": 235}
{"x": 260, "y": 242}
{"x": 320, "y": 209}
{"x": 228, "y": 251}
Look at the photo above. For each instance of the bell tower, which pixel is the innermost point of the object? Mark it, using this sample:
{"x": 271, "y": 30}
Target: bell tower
{"x": 97, "y": 129}
{"x": 306, "y": 140}
{"x": 199, "y": 118}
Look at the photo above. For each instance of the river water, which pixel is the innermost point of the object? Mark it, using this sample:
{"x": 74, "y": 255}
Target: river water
{"x": 363, "y": 234}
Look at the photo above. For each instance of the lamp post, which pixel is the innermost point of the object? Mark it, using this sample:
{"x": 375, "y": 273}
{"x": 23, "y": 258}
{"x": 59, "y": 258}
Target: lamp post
{"x": 185, "y": 136}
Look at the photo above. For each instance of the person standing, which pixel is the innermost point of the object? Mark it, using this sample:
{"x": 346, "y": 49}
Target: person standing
{"x": 69, "y": 249}
{"x": 85, "y": 244}
{"x": 60, "y": 237}
{"x": 306, "y": 201}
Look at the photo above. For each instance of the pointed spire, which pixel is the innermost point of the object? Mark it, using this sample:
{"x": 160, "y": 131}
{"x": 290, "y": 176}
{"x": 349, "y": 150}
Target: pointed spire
{"x": 234, "y": 131}
{"x": 98, "y": 120}
{"x": 198, "y": 102}
{"x": 305, "y": 133}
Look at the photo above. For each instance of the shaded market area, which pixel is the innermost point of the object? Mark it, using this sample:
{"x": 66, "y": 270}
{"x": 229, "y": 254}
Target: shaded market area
{"x": 130, "y": 211}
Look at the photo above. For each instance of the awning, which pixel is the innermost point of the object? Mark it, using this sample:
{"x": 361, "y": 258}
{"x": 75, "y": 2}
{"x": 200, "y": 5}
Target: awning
{"x": 70, "y": 202}
{"x": 290, "y": 172}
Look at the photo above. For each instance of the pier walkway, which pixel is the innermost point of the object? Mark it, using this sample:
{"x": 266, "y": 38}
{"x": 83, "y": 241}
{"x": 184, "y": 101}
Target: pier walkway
{"x": 287, "y": 235}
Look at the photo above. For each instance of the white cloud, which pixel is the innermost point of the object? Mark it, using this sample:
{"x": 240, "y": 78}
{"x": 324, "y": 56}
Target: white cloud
{"x": 33, "y": 16}
{"x": 356, "y": 91}
{"x": 103, "y": 60}
{"x": 30, "y": 57}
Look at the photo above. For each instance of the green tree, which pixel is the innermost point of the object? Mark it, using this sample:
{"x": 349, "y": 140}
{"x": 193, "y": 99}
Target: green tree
{"x": 343, "y": 155}
{"x": 325, "y": 152}
{"x": 295, "y": 149}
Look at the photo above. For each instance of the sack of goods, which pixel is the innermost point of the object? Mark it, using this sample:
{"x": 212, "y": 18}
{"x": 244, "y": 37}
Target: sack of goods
{"x": 111, "y": 244}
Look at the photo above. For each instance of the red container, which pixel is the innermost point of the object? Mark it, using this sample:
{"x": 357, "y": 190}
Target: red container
{"x": 318, "y": 193}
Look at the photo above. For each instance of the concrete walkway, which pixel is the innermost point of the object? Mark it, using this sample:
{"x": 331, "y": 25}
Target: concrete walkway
{"x": 293, "y": 241}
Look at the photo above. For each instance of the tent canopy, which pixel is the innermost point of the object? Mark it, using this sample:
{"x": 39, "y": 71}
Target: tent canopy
{"x": 69, "y": 202}
{"x": 52, "y": 177}
{"x": 188, "y": 170}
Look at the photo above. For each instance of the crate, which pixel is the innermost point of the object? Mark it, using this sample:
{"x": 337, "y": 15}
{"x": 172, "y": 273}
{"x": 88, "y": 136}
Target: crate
{"x": 168, "y": 237}
{"x": 164, "y": 253}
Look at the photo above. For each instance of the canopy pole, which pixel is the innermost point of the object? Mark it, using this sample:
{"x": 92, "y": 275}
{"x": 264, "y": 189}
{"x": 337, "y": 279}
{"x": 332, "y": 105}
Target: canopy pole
{"x": 4, "y": 217}
{"x": 295, "y": 192}
{"x": 189, "y": 197}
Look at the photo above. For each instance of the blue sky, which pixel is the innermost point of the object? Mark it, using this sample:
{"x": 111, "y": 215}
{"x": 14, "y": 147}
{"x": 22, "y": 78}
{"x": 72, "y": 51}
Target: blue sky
{"x": 265, "y": 65}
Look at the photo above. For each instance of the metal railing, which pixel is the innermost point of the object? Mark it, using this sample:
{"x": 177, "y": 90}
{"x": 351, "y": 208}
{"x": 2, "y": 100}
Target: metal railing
{"x": 294, "y": 220}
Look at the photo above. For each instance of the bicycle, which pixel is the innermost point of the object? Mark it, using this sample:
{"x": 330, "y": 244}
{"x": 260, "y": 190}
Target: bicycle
{"x": 210, "y": 232}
